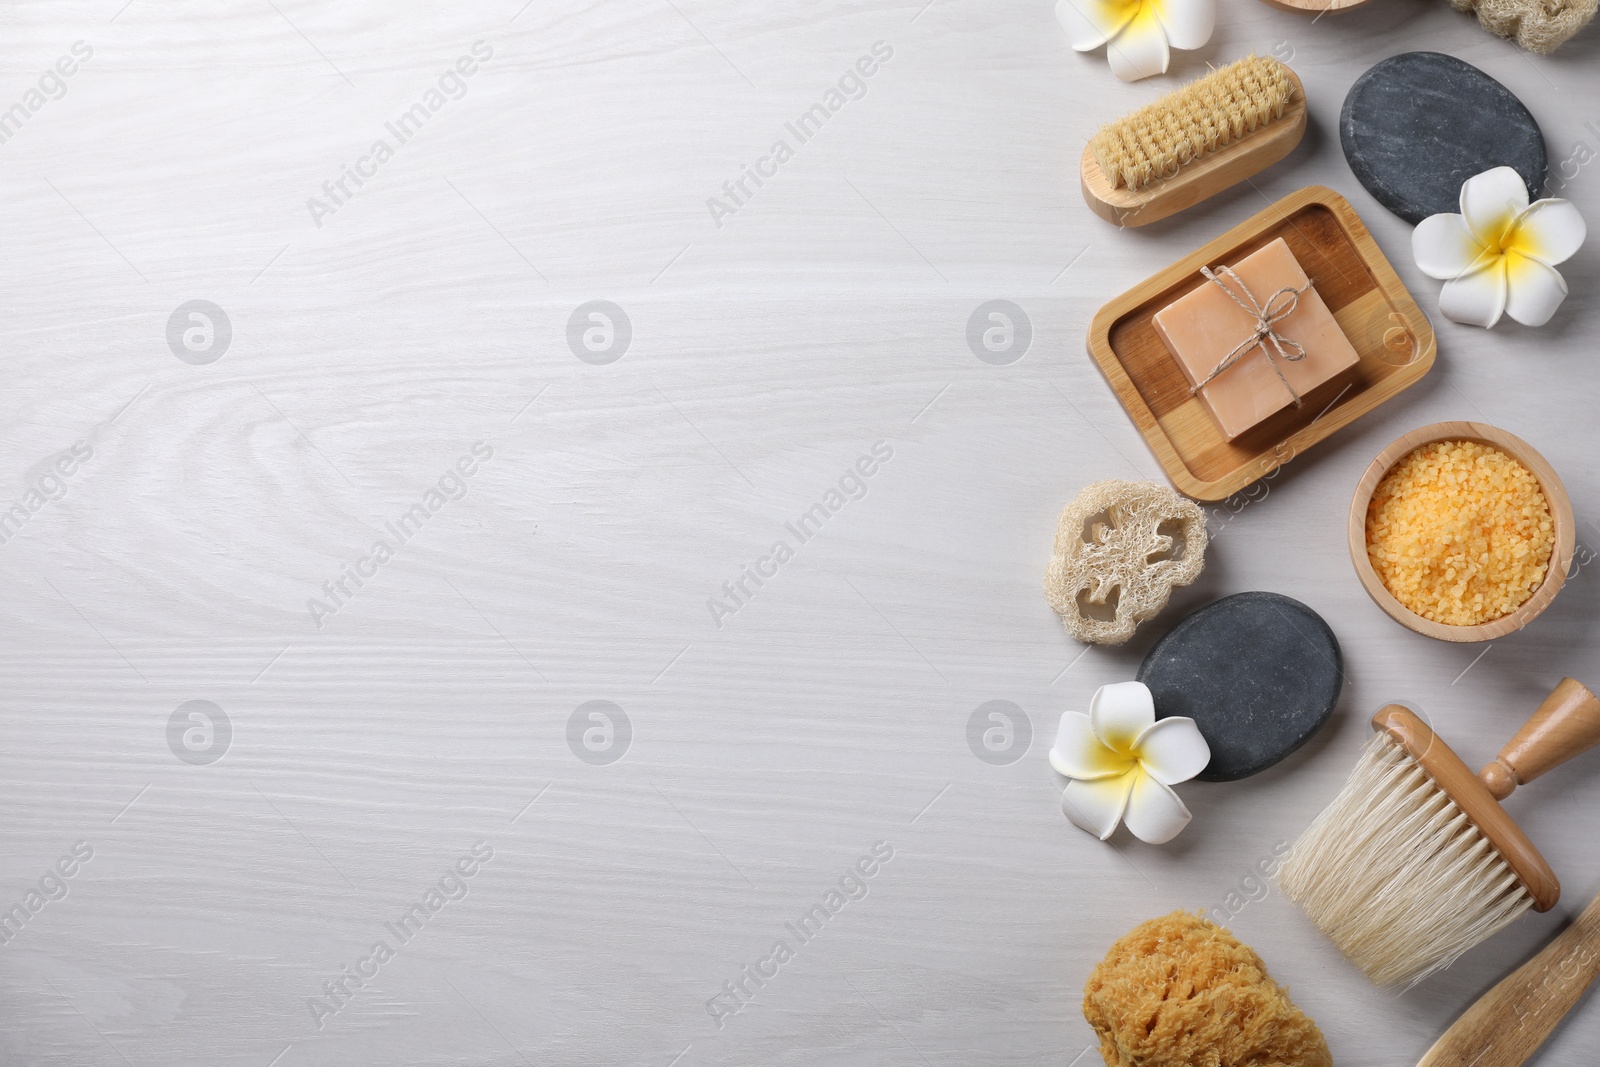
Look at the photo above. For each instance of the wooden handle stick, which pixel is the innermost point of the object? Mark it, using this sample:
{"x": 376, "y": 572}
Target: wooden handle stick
{"x": 1567, "y": 723}
{"x": 1507, "y": 1024}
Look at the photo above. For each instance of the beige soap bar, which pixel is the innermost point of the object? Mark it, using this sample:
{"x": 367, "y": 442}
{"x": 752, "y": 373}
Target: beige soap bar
{"x": 1201, "y": 327}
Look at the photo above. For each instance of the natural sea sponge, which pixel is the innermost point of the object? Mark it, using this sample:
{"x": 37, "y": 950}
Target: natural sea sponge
{"x": 1180, "y": 991}
{"x": 1538, "y": 25}
{"x": 1120, "y": 548}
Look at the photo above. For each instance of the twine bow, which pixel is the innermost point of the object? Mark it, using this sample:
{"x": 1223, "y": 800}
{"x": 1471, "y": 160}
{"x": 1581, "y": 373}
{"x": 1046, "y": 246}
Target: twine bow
{"x": 1280, "y": 305}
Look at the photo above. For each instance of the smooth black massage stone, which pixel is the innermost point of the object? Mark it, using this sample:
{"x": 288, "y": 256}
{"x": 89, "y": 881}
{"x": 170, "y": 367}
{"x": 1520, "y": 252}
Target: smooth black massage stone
{"x": 1418, "y": 125}
{"x": 1259, "y": 673}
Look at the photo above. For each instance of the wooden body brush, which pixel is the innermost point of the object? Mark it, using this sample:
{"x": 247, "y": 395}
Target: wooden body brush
{"x": 1506, "y": 1025}
{"x": 1415, "y": 861}
{"x": 1194, "y": 142}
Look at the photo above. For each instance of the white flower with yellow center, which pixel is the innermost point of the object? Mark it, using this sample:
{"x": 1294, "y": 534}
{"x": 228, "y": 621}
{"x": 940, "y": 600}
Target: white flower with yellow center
{"x": 1499, "y": 255}
{"x": 1137, "y": 33}
{"x": 1123, "y": 764}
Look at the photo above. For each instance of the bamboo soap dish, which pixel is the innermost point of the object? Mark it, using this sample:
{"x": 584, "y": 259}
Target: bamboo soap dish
{"x": 1194, "y": 182}
{"x": 1392, "y": 338}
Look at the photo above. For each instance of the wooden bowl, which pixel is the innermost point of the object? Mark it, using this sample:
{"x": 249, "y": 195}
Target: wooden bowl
{"x": 1522, "y": 452}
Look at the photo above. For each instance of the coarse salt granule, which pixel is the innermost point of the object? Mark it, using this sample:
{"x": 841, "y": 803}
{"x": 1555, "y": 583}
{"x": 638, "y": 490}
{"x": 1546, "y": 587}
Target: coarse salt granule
{"x": 1460, "y": 533}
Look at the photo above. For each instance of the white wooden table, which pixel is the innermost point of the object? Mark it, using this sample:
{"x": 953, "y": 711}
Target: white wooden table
{"x": 245, "y": 861}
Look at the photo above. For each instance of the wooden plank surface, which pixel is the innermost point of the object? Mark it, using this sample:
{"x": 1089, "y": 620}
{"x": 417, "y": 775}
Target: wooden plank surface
{"x": 442, "y": 703}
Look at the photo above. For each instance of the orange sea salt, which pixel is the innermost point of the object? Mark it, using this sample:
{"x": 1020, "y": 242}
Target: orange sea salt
{"x": 1460, "y": 533}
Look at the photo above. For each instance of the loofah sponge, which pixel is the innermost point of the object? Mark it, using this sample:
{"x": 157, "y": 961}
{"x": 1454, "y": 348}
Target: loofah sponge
{"x": 1120, "y": 549}
{"x": 1180, "y": 991}
{"x": 1538, "y": 25}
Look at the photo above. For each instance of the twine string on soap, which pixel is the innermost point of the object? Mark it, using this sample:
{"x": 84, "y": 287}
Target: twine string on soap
{"x": 1280, "y": 305}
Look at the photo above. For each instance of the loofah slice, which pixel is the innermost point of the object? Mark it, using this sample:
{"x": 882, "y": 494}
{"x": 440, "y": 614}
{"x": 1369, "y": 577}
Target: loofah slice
{"x": 1120, "y": 549}
{"x": 1180, "y": 991}
{"x": 1538, "y": 25}
{"x": 1192, "y": 122}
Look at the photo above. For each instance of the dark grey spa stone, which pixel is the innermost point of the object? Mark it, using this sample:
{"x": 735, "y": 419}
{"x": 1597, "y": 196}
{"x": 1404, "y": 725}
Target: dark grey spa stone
{"x": 1259, "y": 673}
{"x": 1417, "y": 125}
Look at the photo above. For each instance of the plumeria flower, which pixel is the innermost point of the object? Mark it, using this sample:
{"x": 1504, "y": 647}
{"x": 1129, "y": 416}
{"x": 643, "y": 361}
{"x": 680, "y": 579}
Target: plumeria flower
{"x": 1137, "y": 33}
{"x": 1123, "y": 764}
{"x": 1500, "y": 254}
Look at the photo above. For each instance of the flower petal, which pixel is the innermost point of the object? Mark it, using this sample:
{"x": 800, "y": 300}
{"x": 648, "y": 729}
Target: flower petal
{"x": 1549, "y": 231}
{"x": 1098, "y": 806}
{"x": 1140, "y": 50}
{"x": 1477, "y": 299}
{"x": 1491, "y": 200}
{"x": 1154, "y": 813}
{"x": 1533, "y": 290}
{"x": 1121, "y": 712}
{"x": 1173, "y": 750}
{"x": 1444, "y": 248}
{"x": 1091, "y": 23}
{"x": 1079, "y": 754}
{"x": 1188, "y": 22}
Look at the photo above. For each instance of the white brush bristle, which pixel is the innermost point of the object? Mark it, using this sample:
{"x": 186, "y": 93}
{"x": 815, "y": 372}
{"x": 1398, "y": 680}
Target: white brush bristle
{"x": 1396, "y": 874}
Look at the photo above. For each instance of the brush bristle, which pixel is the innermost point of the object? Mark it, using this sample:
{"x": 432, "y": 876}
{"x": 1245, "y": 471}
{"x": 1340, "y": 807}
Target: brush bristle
{"x": 1397, "y": 875}
{"x": 1189, "y": 123}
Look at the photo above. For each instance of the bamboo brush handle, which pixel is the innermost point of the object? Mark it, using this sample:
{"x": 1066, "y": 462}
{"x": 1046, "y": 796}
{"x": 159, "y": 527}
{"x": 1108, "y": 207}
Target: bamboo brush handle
{"x": 1567, "y": 723}
{"x": 1508, "y": 1023}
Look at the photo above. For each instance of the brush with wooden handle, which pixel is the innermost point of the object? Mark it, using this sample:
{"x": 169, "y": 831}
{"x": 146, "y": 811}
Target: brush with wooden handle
{"x": 1506, "y": 1025}
{"x": 1415, "y": 861}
